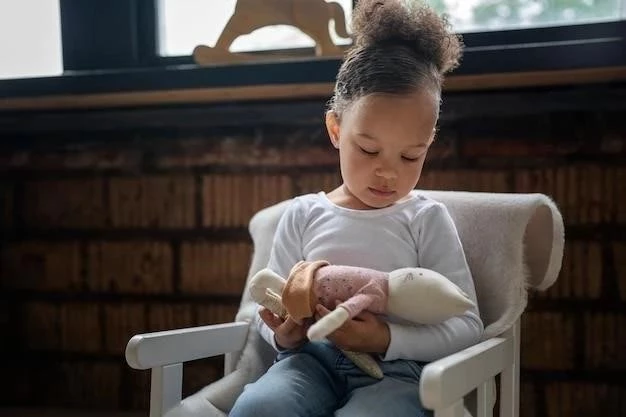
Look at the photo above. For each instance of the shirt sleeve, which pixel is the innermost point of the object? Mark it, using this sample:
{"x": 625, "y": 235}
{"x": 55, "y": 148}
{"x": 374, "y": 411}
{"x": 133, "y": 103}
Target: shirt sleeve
{"x": 286, "y": 252}
{"x": 439, "y": 249}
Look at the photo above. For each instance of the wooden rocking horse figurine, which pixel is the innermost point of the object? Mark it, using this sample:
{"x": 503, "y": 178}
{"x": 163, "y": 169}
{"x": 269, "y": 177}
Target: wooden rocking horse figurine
{"x": 310, "y": 16}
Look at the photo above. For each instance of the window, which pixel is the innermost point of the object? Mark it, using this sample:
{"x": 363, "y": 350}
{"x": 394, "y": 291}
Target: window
{"x": 492, "y": 15}
{"x": 183, "y": 24}
{"x": 144, "y": 45}
{"x": 30, "y": 39}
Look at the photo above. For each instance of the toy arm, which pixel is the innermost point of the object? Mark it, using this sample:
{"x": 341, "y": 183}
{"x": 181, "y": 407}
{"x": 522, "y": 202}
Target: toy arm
{"x": 265, "y": 280}
{"x": 336, "y": 318}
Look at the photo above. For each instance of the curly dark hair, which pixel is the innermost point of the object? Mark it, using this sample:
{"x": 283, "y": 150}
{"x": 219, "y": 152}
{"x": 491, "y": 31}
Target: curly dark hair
{"x": 399, "y": 46}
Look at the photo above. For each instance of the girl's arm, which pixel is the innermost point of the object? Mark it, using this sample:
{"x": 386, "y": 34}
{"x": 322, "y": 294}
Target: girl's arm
{"x": 439, "y": 249}
{"x": 286, "y": 252}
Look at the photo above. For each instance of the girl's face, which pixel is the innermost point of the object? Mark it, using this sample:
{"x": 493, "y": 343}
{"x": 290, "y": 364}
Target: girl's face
{"x": 383, "y": 140}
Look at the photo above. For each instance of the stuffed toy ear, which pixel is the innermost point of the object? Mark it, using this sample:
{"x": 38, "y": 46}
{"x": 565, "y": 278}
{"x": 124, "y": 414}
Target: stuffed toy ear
{"x": 424, "y": 296}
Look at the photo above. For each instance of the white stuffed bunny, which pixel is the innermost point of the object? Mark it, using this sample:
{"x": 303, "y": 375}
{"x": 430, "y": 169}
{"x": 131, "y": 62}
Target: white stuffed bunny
{"x": 418, "y": 295}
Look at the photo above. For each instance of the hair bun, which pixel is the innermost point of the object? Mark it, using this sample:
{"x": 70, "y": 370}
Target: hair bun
{"x": 411, "y": 23}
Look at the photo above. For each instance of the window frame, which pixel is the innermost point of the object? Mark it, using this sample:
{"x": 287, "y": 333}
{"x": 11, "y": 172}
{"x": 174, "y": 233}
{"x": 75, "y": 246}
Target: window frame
{"x": 102, "y": 57}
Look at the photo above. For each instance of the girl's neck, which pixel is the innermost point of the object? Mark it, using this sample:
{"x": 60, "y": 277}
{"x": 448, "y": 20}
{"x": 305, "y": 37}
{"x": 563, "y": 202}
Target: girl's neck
{"x": 342, "y": 197}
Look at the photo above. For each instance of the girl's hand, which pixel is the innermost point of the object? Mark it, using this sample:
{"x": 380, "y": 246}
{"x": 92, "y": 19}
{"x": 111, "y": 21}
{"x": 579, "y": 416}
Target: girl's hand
{"x": 364, "y": 333}
{"x": 287, "y": 333}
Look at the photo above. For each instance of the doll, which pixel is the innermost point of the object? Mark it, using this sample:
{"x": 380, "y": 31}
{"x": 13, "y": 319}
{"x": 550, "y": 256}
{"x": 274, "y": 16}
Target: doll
{"x": 418, "y": 295}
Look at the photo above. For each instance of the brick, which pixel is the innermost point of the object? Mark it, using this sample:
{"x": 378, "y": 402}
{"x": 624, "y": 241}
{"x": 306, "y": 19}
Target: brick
{"x": 619, "y": 258}
{"x": 30, "y": 382}
{"x": 484, "y": 147}
{"x": 93, "y": 385}
{"x": 464, "y": 180}
{"x": 591, "y": 195}
{"x": 85, "y": 159}
{"x": 137, "y": 396}
{"x": 121, "y": 322}
{"x": 535, "y": 181}
{"x": 139, "y": 267}
{"x": 199, "y": 374}
{"x": 214, "y": 267}
{"x": 194, "y": 153}
{"x": 216, "y": 313}
{"x": 41, "y": 324}
{"x": 96, "y": 159}
{"x": 582, "y": 192}
{"x": 581, "y": 272}
{"x": 6, "y": 326}
{"x": 528, "y": 404}
{"x": 164, "y": 202}
{"x": 169, "y": 316}
{"x": 491, "y": 181}
{"x": 80, "y": 327}
{"x": 573, "y": 399}
{"x": 443, "y": 148}
{"x": 43, "y": 266}
{"x": 614, "y": 123}
{"x": 311, "y": 156}
{"x": 231, "y": 200}
{"x": 18, "y": 391}
{"x": 573, "y": 185}
{"x": 605, "y": 340}
{"x": 7, "y": 205}
{"x": 548, "y": 341}
{"x": 72, "y": 203}
{"x": 613, "y": 143}
{"x": 620, "y": 195}
{"x": 244, "y": 152}
{"x": 315, "y": 182}
{"x": 610, "y": 188}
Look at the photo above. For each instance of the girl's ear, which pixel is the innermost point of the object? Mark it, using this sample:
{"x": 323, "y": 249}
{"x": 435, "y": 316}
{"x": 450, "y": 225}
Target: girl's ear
{"x": 434, "y": 135}
{"x": 332, "y": 126}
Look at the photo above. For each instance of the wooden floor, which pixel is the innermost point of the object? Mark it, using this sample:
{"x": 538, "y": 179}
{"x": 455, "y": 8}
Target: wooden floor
{"x": 45, "y": 412}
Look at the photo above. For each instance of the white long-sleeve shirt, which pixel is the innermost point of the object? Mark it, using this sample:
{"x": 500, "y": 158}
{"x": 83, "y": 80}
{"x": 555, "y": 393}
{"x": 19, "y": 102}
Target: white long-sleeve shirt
{"x": 417, "y": 232}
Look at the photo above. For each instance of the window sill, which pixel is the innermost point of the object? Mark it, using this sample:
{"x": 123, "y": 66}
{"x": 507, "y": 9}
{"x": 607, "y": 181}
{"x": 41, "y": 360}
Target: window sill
{"x": 298, "y": 90}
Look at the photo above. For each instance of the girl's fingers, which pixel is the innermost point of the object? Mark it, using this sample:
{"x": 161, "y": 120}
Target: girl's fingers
{"x": 320, "y": 311}
{"x": 365, "y": 316}
{"x": 288, "y": 325}
{"x": 270, "y": 318}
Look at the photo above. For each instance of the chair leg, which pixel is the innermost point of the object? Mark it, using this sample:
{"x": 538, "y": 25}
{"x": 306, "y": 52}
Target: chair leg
{"x": 483, "y": 393}
{"x": 455, "y": 410}
{"x": 165, "y": 388}
{"x": 509, "y": 379}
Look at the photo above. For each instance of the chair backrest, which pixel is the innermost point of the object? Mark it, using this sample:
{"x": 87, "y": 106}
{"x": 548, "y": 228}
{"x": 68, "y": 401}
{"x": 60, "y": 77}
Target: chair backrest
{"x": 512, "y": 242}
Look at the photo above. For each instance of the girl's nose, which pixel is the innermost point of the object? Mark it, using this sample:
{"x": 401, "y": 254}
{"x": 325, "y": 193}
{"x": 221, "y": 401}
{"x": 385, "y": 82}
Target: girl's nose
{"x": 386, "y": 172}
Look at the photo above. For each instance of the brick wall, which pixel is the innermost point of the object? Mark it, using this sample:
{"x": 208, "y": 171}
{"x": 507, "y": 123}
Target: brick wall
{"x": 104, "y": 237}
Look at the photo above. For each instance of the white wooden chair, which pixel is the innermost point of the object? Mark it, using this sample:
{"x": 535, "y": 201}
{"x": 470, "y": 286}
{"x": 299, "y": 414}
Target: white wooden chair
{"x": 512, "y": 242}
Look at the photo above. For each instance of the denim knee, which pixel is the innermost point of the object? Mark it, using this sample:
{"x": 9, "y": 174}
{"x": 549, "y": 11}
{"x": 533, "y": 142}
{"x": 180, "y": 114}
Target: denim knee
{"x": 296, "y": 386}
{"x": 259, "y": 401}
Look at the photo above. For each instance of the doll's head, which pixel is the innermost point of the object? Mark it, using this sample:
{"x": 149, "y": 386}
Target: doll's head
{"x": 425, "y": 296}
{"x": 385, "y": 107}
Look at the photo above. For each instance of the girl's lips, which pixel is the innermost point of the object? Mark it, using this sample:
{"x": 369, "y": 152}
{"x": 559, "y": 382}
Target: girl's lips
{"x": 381, "y": 193}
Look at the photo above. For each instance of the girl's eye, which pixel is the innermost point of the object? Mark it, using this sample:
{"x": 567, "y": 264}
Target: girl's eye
{"x": 368, "y": 152}
{"x": 406, "y": 158}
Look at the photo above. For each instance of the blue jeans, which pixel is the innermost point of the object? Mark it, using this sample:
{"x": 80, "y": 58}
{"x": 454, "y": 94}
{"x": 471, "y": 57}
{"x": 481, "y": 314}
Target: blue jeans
{"x": 317, "y": 380}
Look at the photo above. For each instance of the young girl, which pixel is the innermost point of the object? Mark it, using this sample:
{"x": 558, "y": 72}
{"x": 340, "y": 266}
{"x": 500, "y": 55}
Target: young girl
{"x": 382, "y": 120}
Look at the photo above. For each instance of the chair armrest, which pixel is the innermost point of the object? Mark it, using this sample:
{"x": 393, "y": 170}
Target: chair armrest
{"x": 449, "y": 379}
{"x": 149, "y": 350}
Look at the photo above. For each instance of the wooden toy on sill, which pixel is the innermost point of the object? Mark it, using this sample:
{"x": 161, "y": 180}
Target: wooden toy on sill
{"x": 309, "y": 16}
